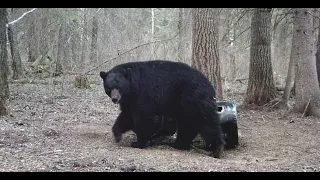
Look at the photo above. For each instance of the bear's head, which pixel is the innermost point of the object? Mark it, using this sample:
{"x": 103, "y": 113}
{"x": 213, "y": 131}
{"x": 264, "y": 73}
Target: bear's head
{"x": 116, "y": 84}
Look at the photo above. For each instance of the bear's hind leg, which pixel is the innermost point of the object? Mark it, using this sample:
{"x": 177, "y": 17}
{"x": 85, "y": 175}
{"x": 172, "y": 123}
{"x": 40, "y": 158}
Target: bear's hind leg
{"x": 213, "y": 137}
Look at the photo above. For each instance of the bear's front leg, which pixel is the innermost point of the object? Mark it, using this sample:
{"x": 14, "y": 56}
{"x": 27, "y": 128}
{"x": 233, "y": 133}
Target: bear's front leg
{"x": 142, "y": 126}
{"x": 140, "y": 143}
{"x": 141, "y": 132}
{"x": 123, "y": 123}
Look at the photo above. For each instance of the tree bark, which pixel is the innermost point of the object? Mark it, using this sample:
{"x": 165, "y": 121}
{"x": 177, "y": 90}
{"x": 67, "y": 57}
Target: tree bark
{"x": 153, "y": 55}
{"x": 84, "y": 40}
{"x": 290, "y": 75}
{"x": 318, "y": 54}
{"x": 94, "y": 41}
{"x": 290, "y": 78}
{"x": 4, "y": 88}
{"x": 261, "y": 88}
{"x": 306, "y": 82}
{"x": 44, "y": 35}
{"x": 205, "y": 47}
{"x": 180, "y": 31}
{"x": 233, "y": 67}
{"x": 74, "y": 41}
{"x": 61, "y": 46}
{"x": 17, "y": 72}
{"x": 280, "y": 49}
{"x": 33, "y": 38}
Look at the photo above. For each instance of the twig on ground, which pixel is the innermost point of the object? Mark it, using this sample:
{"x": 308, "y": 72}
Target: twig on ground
{"x": 305, "y": 109}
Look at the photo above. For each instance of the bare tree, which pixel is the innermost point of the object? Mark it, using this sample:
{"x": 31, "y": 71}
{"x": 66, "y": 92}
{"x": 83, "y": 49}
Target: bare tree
{"x": 180, "y": 31}
{"x": 261, "y": 87}
{"x": 44, "y": 34}
{"x": 318, "y": 54}
{"x": 306, "y": 82}
{"x": 84, "y": 39}
{"x": 152, "y": 32}
{"x": 75, "y": 40}
{"x": 62, "y": 41}
{"x": 94, "y": 40}
{"x": 280, "y": 45}
{"x": 290, "y": 78}
{"x": 205, "y": 48}
{"x": 4, "y": 88}
{"x": 32, "y": 38}
{"x": 16, "y": 59}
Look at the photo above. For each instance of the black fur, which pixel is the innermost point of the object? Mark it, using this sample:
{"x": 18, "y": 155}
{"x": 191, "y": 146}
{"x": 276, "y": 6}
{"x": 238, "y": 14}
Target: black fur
{"x": 168, "y": 88}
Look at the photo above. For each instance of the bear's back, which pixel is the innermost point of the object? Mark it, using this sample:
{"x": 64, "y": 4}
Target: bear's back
{"x": 168, "y": 75}
{"x": 165, "y": 67}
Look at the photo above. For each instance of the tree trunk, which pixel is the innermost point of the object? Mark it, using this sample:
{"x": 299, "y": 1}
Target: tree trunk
{"x": 33, "y": 38}
{"x": 205, "y": 47}
{"x": 318, "y": 55}
{"x": 279, "y": 54}
{"x": 94, "y": 41}
{"x": 74, "y": 41}
{"x": 233, "y": 67}
{"x": 180, "y": 31}
{"x": 44, "y": 35}
{"x": 307, "y": 86}
{"x": 187, "y": 35}
{"x": 261, "y": 87}
{"x": 84, "y": 40}
{"x": 290, "y": 78}
{"x": 16, "y": 59}
{"x": 4, "y": 88}
{"x": 233, "y": 53}
{"x": 61, "y": 46}
{"x": 66, "y": 63}
{"x": 153, "y": 55}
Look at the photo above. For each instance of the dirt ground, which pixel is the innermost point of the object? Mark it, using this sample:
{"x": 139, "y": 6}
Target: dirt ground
{"x": 61, "y": 128}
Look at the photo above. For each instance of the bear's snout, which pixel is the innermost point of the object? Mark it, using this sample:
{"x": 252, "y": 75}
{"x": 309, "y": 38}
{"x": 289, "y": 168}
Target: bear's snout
{"x": 115, "y": 96}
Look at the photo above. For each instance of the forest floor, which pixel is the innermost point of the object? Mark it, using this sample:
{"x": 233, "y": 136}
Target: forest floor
{"x": 62, "y": 128}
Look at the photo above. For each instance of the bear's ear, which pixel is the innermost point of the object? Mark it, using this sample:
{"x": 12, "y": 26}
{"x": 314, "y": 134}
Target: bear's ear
{"x": 103, "y": 75}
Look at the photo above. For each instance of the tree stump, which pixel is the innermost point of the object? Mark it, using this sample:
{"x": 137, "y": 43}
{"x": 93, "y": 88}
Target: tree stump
{"x": 82, "y": 82}
{"x": 3, "y": 108}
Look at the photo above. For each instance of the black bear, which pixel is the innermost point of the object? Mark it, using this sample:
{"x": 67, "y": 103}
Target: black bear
{"x": 172, "y": 89}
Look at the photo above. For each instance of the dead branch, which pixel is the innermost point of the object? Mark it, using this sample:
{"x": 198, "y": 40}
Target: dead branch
{"x": 125, "y": 52}
{"x": 44, "y": 69}
{"x": 242, "y": 14}
{"x": 305, "y": 109}
{"x": 235, "y": 38}
{"x": 276, "y": 23}
{"x": 276, "y": 103}
{"x": 12, "y": 22}
{"x": 240, "y": 80}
